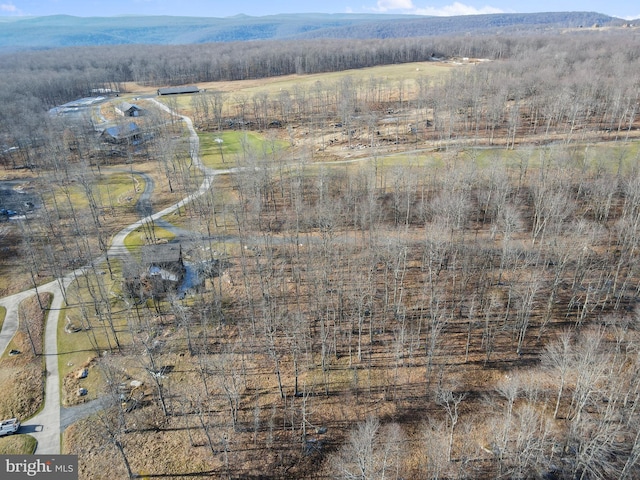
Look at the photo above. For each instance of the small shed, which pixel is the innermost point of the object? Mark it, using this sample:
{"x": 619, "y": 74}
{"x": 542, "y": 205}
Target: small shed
{"x": 178, "y": 90}
{"x": 128, "y": 110}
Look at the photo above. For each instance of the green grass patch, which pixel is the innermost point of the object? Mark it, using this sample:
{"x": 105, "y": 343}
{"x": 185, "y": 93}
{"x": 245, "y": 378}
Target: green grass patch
{"x": 119, "y": 189}
{"x": 18, "y": 445}
{"x": 147, "y": 235}
{"x": 587, "y": 157}
{"x": 108, "y": 190}
{"x": 227, "y": 149}
{"x": 179, "y": 103}
{"x": 611, "y": 157}
{"x": 614, "y": 157}
{"x": 3, "y": 314}
{"x": 423, "y": 159}
{"x": 188, "y": 220}
{"x": 67, "y": 197}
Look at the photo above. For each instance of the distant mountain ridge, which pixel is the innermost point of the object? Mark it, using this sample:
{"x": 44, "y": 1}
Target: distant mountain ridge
{"x": 18, "y": 33}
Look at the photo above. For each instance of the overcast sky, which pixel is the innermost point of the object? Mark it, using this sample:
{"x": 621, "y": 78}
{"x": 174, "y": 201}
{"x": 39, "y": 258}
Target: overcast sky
{"x": 629, "y": 9}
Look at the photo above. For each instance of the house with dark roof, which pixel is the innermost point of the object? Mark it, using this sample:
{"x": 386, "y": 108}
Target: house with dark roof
{"x": 160, "y": 272}
{"x": 128, "y": 110}
{"x": 166, "y": 256}
{"x": 126, "y": 133}
{"x": 178, "y": 90}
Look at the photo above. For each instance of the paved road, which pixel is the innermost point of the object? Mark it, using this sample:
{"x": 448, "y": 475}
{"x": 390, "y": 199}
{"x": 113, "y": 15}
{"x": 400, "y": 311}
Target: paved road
{"x": 143, "y": 205}
{"x": 46, "y": 426}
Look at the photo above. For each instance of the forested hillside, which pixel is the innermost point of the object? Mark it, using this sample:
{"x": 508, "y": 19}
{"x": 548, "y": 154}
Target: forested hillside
{"x": 67, "y": 31}
{"x": 383, "y": 258}
{"x": 37, "y": 81}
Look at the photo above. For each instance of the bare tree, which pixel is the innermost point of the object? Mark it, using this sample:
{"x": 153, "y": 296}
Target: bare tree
{"x": 590, "y": 364}
{"x": 509, "y": 389}
{"x": 450, "y": 402}
{"x": 434, "y": 438}
{"x": 371, "y": 452}
{"x": 558, "y": 360}
{"x": 525, "y": 306}
{"x": 356, "y": 459}
{"x": 229, "y": 381}
{"x": 112, "y": 424}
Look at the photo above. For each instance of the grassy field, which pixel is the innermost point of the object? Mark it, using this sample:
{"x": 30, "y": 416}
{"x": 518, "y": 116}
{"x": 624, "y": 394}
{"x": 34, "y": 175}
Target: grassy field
{"x": 147, "y": 235}
{"x": 17, "y": 445}
{"x": 110, "y": 190}
{"x": 221, "y": 150}
{"x": 119, "y": 189}
{"x": 22, "y": 375}
{"x": 388, "y": 76}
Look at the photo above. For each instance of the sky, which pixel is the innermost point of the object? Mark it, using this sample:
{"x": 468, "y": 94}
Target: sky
{"x": 225, "y": 8}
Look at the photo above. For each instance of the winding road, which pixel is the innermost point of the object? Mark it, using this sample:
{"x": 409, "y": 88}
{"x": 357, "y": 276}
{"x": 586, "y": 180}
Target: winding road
{"x": 48, "y": 424}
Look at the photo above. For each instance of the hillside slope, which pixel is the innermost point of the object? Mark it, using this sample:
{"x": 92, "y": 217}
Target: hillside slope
{"x": 64, "y": 31}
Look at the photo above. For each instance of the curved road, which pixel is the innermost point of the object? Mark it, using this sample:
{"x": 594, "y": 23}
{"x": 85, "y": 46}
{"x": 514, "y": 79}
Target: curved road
{"x": 46, "y": 425}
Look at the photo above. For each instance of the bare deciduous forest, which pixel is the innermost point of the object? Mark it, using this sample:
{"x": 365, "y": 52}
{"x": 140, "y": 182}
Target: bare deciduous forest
{"x": 434, "y": 275}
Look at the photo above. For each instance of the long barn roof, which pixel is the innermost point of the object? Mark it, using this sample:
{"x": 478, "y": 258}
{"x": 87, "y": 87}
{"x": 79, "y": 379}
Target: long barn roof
{"x": 177, "y": 90}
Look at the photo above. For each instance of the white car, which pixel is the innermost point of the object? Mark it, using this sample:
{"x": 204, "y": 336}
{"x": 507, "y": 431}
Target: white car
{"x": 8, "y": 427}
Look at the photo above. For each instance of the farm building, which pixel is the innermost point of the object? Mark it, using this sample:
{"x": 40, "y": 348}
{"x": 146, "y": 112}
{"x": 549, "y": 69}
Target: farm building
{"x": 127, "y": 133}
{"x": 77, "y": 108}
{"x": 128, "y": 110}
{"x": 178, "y": 90}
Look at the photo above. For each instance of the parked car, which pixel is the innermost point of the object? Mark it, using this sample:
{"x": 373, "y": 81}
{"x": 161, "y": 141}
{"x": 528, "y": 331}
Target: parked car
{"x": 7, "y": 212}
{"x": 10, "y": 426}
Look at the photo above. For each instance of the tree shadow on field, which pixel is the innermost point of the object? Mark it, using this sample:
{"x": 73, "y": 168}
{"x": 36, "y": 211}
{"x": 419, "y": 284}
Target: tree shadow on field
{"x": 506, "y": 365}
{"x": 203, "y": 474}
{"x": 87, "y": 350}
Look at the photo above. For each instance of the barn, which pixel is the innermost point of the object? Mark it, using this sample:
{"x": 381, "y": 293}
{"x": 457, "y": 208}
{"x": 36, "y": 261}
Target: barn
{"x": 128, "y": 133}
{"x": 128, "y": 110}
{"x": 178, "y": 90}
